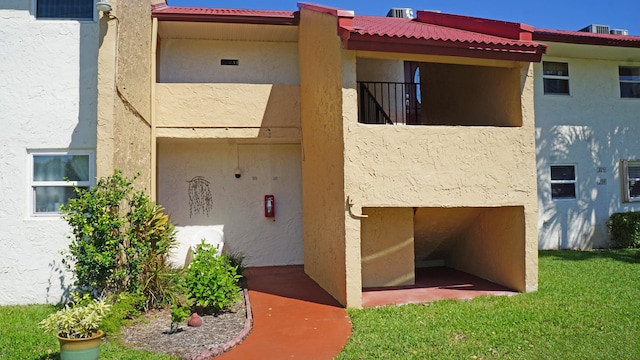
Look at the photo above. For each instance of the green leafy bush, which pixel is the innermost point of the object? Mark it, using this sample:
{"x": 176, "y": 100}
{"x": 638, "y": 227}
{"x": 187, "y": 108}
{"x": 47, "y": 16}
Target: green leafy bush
{"x": 211, "y": 281}
{"x": 624, "y": 229}
{"x": 123, "y": 306}
{"x": 120, "y": 242}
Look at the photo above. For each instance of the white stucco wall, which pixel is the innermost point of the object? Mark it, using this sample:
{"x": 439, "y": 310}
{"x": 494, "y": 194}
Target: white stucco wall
{"x": 198, "y": 61}
{"x": 237, "y": 204}
{"x": 593, "y": 129}
{"x": 48, "y": 101}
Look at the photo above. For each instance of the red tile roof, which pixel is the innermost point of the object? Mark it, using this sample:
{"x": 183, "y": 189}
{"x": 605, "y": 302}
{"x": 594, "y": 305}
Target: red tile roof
{"x": 377, "y": 33}
{"x": 579, "y": 37}
{"x": 178, "y": 13}
{"x": 408, "y": 28}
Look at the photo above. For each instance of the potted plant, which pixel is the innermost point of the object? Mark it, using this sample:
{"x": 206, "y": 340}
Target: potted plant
{"x": 77, "y": 328}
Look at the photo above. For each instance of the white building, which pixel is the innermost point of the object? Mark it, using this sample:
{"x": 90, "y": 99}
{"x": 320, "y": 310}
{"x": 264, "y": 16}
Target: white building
{"x": 587, "y": 104}
{"x": 48, "y": 97}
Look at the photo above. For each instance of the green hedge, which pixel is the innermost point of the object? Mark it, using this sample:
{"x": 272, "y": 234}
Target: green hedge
{"x": 624, "y": 229}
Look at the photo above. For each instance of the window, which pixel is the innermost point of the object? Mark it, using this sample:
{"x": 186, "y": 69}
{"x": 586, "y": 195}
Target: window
{"x": 556, "y": 77}
{"x": 563, "y": 181}
{"x": 629, "y": 81}
{"x": 65, "y": 9}
{"x": 54, "y": 174}
{"x": 631, "y": 176}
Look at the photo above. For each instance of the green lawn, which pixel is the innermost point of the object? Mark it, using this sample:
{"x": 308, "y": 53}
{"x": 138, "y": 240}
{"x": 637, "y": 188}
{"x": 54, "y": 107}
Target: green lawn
{"x": 587, "y": 307}
{"x": 21, "y": 339}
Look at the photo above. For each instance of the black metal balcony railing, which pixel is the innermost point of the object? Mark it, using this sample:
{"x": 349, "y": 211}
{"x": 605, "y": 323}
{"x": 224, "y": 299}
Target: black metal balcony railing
{"x": 389, "y": 103}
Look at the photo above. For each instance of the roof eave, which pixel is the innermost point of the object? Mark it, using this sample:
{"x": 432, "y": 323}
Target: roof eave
{"x": 226, "y": 18}
{"x": 541, "y": 35}
{"x": 444, "y": 48}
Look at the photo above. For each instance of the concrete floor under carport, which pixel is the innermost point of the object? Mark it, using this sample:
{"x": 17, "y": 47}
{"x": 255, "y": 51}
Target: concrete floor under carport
{"x": 486, "y": 243}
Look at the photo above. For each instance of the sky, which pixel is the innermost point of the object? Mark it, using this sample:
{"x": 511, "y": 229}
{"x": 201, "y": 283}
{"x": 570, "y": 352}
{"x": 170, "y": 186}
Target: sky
{"x": 551, "y": 14}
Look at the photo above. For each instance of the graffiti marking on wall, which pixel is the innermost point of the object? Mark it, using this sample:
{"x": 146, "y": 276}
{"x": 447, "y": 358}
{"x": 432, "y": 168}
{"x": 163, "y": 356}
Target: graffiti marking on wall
{"x": 199, "y": 196}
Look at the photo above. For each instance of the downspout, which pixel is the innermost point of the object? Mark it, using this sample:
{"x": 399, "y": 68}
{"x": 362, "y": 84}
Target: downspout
{"x": 152, "y": 121}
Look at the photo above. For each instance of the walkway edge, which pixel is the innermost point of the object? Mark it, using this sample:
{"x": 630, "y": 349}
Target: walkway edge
{"x": 248, "y": 324}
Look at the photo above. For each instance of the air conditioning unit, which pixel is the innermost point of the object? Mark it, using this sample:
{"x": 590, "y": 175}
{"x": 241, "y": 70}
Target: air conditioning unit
{"x": 405, "y": 13}
{"x": 596, "y": 29}
{"x": 619, "y": 32}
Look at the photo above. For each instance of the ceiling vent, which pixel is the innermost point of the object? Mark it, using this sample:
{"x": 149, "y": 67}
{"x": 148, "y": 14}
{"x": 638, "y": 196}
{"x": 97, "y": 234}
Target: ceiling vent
{"x": 596, "y": 29}
{"x": 619, "y": 32}
{"x": 405, "y": 13}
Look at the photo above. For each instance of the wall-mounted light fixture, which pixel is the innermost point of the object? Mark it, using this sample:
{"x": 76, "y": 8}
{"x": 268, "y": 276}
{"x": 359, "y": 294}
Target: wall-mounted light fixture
{"x": 237, "y": 172}
{"x": 104, "y": 6}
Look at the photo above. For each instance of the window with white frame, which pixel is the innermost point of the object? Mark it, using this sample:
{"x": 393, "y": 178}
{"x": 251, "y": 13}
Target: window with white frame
{"x": 629, "y": 81}
{"x": 556, "y": 77}
{"x": 631, "y": 179}
{"x": 563, "y": 181}
{"x": 54, "y": 174}
{"x": 65, "y": 9}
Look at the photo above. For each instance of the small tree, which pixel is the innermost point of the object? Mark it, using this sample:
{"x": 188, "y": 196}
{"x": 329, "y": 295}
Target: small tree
{"x": 120, "y": 241}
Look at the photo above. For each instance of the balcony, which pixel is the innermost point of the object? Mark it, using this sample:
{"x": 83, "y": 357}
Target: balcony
{"x": 446, "y": 95}
{"x": 228, "y": 110}
{"x": 389, "y": 103}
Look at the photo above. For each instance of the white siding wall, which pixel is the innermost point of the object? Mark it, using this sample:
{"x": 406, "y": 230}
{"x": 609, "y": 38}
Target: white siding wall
{"x": 47, "y": 101}
{"x": 593, "y": 129}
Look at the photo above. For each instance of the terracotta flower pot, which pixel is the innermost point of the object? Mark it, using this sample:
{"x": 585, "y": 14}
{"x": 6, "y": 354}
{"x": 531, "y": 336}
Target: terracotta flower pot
{"x": 81, "y": 349}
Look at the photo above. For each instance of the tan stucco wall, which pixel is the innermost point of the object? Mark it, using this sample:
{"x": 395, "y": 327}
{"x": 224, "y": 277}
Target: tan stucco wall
{"x": 492, "y": 247}
{"x": 227, "y": 105}
{"x": 387, "y": 247}
{"x": 449, "y": 166}
{"x": 124, "y": 86}
{"x": 491, "y": 95}
{"x": 198, "y": 61}
{"x": 323, "y": 163}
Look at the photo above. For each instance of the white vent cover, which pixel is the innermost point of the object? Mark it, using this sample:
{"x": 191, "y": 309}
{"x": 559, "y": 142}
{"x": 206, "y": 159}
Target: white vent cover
{"x": 619, "y": 32}
{"x": 597, "y": 29}
{"x": 406, "y": 13}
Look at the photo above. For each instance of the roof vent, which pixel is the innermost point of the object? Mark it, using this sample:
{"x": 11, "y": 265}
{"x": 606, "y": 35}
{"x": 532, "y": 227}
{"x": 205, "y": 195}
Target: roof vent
{"x": 596, "y": 29}
{"x": 405, "y": 13}
{"x": 619, "y": 32}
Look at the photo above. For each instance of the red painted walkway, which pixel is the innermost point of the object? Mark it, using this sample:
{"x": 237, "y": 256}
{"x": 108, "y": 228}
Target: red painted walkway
{"x": 293, "y": 318}
{"x": 432, "y": 284}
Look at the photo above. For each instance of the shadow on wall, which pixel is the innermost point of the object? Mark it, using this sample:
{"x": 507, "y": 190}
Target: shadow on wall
{"x": 579, "y": 223}
{"x": 624, "y": 256}
{"x": 58, "y": 278}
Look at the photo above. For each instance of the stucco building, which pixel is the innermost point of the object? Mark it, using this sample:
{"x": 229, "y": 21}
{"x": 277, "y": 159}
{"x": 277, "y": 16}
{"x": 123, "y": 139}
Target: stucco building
{"x": 48, "y": 102}
{"x": 388, "y": 143}
{"x": 587, "y": 104}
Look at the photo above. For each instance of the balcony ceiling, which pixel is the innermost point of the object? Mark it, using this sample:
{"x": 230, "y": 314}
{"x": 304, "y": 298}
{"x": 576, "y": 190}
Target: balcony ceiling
{"x": 226, "y": 31}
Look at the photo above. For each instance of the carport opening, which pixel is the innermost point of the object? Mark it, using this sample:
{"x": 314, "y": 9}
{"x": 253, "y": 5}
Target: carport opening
{"x": 457, "y": 253}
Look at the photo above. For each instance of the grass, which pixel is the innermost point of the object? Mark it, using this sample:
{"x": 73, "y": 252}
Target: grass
{"x": 587, "y": 307}
{"x": 21, "y": 339}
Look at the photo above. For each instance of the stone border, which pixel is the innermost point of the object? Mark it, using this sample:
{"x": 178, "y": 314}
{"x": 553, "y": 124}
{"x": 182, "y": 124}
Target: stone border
{"x": 248, "y": 325}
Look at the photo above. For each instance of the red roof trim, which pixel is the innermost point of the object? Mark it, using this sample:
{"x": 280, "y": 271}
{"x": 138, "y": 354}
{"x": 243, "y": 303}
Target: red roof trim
{"x": 268, "y": 17}
{"x": 578, "y": 37}
{"x": 326, "y": 9}
{"x": 444, "y": 48}
{"x": 510, "y": 30}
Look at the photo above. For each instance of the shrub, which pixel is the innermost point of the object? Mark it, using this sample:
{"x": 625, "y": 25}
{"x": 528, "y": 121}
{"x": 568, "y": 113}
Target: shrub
{"x": 120, "y": 242}
{"x": 76, "y": 320}
{"x": 624, "y": 229}
{"x": 211, "y": 281}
